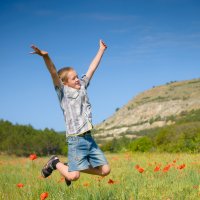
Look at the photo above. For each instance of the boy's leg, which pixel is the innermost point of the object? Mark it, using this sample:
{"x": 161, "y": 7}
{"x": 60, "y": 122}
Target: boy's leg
{"x": 70, "y": 176}
{"x": 98, "y": 162}
{"x": 53, "y": 164}
{"x": 84, "y": 158}
{"x": 103, "y": 170}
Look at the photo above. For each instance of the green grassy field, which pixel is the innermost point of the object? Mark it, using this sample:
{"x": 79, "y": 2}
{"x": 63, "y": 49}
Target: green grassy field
{"x": 139, "y": 176}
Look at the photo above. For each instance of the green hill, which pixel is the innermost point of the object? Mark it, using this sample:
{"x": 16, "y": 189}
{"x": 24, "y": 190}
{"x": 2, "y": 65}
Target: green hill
{"x": 164, "y": 118}
{"x": 182, "y": 136}
{"x": 156, "y": 107}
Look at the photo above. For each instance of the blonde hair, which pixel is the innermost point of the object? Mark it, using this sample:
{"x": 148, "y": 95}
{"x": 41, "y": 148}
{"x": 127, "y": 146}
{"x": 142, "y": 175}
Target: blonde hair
{"x": 62, "y": 73}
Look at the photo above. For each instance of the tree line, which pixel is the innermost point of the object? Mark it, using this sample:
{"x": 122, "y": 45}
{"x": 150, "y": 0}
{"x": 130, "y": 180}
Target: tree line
{"x": 182, "y": 136}
{"x": 22, "y": 140}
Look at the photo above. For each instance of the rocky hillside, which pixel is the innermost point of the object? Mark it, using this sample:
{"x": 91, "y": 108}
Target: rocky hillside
{"x": 156, "y": 107}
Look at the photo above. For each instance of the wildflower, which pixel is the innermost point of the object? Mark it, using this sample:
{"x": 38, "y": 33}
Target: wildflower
{"x": 110, "y": 181}
{"x": 181, "y": 166}
{"x": 140, "y": 169}
{"x": 33, "y": 157}
{"x": 115, "y": 158}
{"x": 166, "y": 168}
{"x": 173, "y": 165}
{"x": 86, "y": 184}
{"x": 44, "y": 195}
{"x": 150, "y": 164}
{"x": 157, "y": 168}
{"x": 137, "y": 166}
{"x": 99, "y": 178}
{"x": 61, "y": 180}
{"x": 20, "y": 185}
{"x": 195, "y": 186}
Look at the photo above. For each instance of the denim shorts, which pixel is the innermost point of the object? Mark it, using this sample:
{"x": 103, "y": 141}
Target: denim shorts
{"x": 83, "y": 152}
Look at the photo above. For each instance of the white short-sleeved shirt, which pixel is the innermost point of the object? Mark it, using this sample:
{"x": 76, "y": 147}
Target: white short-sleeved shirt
{"x": 76, "y": 107}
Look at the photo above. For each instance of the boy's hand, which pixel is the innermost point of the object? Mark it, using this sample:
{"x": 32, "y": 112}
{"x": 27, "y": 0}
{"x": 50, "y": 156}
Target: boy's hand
{"x": 102, "y": 45}
{"x": 38, "y": 51}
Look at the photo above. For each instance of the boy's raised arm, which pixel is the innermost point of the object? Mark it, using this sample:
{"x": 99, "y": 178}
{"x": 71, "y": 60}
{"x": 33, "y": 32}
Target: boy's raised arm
{"x": 49, "y": 64}
{"x": 95, "y": 62}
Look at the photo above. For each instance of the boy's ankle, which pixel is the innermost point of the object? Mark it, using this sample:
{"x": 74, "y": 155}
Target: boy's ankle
{"x": 54, "y": 163}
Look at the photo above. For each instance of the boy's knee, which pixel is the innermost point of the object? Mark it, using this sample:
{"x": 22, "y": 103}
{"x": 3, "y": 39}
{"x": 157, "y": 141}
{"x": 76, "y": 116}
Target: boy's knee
{"x": 74, "y": 176}
{"x": 106, "y": 170}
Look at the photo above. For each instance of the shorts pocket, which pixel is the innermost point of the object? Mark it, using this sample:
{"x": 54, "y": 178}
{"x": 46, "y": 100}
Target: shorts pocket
{"x": 72, "y": 148}
{"x": 73, "y": 140}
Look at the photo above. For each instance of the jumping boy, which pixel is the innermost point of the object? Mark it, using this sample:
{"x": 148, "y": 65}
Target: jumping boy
{"x": 84, "y": 154}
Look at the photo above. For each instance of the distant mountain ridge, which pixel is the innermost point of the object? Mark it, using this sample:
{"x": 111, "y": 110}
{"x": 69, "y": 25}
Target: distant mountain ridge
{"x": 155, "y": 107}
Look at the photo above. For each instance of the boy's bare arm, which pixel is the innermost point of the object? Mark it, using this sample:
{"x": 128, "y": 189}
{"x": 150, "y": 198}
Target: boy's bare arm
{"x": 48, "y": 63}
{"x": 95, "y": 62}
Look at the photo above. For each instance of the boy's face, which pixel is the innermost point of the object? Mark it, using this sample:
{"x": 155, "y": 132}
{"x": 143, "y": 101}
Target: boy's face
{"x": 73, "y": 80}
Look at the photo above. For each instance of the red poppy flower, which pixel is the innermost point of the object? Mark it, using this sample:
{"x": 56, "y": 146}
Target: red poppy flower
{"x": 86, "y": 184}
{"x": 20, "y": 185}
{"x": 33, "y": 157}
{"x": 61, "y": 180}
{"x": 137, "y": 166}
{"x": 140, "y": 169}
{"x": 98, "y": 178}
{"x": 166, "y": 168}
{"x": 44, "y": 195}
{"x": 181, "y": 166}
{"x": 110, "y": 181}
{"x": 157, "y": 168}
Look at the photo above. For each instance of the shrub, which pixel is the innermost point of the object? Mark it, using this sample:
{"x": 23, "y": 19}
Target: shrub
{"x": 143, "y": 144}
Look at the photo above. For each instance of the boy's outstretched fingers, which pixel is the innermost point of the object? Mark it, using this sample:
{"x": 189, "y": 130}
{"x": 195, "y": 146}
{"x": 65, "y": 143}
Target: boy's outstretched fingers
{"x": 103, "y": 44}
{"x": 38, "y": 51}
{"x": 34, "y": 48}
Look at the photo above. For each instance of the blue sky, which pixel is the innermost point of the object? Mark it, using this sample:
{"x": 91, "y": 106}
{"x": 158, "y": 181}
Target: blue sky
{"x": 150, "y": 42}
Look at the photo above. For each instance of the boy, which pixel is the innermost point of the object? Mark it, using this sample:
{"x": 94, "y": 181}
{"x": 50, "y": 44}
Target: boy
{"x": 83, "y": 153}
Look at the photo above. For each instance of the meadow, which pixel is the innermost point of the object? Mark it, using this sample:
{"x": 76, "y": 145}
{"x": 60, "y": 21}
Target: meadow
{"x": 134, "y": 176}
